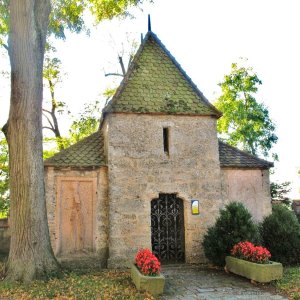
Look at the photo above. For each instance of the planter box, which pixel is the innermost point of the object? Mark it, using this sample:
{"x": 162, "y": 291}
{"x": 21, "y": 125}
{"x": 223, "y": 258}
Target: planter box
{"x": 256, "y": 272}
{"x": 153, "y": 284}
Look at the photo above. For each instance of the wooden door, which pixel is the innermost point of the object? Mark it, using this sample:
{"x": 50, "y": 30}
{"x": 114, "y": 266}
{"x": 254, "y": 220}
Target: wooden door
{"x": 75, "y": 211}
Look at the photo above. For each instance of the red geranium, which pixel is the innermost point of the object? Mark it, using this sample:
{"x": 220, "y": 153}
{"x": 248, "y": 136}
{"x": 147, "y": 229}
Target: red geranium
{"x": 247, "y": 251}
{"x": 147, "y": 262}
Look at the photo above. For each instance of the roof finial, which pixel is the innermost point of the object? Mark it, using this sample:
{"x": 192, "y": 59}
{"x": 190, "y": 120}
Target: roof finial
{"x": 149, "y": 23}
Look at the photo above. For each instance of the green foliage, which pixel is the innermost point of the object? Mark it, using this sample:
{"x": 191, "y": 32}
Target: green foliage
{"x": 81, "y": 127}
{"x": 86, "y": 124}
{"x": 234, "y": 225}
{"x": 4, "y": 17}
{"x": 52, "y": 65}
{"x": 245, "y": 122}
{"x": 280, "y": 232}
{"x": 290, "y": 283}
{"x": 69, "y": 14}
{"x": 108, "y": 9}
{"x": 50, "y": 146}
{"x": 66, "y": 14}
{"x": 109, "y": 92}
{"x": 4, "y": 176}
{"x": 279, "y": 192}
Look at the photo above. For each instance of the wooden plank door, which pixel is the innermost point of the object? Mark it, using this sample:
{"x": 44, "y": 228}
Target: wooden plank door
{"x": 75, "y": 211}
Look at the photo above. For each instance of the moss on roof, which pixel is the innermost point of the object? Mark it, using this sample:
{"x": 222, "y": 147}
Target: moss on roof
{"x": 89, "y": 152}
{"x": 156, "y": 83}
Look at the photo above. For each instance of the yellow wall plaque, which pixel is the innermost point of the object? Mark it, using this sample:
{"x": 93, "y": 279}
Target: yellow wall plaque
{"x": 195, "y": 207}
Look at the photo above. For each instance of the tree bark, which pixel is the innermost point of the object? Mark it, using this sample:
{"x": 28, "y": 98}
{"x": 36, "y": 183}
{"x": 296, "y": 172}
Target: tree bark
{"x": 30, "y": 255}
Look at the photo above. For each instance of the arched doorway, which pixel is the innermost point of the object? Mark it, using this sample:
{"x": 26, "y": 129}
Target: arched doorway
{"x": 167, "y": 228}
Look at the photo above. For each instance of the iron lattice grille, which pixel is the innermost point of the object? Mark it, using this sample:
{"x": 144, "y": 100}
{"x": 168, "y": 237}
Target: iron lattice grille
{"x": 167, "y": 228}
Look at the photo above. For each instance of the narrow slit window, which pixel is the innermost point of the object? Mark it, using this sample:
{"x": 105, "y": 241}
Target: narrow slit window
{"x": 166, "y": 140}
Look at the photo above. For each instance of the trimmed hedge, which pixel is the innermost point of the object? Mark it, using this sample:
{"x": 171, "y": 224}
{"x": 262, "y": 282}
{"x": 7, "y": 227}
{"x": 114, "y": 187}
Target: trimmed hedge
{"x": 234, "y": 225}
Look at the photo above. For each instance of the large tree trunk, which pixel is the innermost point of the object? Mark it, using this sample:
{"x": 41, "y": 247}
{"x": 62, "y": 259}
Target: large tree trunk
{"x": 30, "y": 255}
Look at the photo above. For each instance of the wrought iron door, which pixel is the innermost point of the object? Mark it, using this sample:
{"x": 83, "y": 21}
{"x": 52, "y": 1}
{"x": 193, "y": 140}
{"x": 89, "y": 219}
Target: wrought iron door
{"x": 167, "y": 228}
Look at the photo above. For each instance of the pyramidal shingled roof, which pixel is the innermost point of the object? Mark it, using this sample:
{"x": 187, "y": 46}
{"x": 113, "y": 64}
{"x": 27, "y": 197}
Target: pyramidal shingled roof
{"x": 89, "y": 152}
{"x": 156, "y": 83}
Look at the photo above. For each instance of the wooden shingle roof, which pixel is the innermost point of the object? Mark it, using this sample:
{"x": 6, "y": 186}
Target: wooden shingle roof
{"x": 89, "y": 152}
{"x": 156, "y": 83}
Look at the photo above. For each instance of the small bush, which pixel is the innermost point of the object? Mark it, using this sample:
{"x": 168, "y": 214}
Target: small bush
{"x": 234, "y": 225}
{"x": 280, "y": 232}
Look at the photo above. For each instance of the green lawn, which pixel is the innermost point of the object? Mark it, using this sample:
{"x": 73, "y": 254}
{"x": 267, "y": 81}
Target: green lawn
{"x": 290, "y": 283}
{"x": 76, "y": 285}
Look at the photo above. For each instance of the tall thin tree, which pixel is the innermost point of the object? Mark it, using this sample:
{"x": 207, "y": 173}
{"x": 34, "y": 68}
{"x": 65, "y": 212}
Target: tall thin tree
{"x": 30, "y": 254}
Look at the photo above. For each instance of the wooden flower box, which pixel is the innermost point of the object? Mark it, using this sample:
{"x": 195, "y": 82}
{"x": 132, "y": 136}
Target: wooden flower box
{"x": 254, "y": 271}
{"x": 153, "y": 284}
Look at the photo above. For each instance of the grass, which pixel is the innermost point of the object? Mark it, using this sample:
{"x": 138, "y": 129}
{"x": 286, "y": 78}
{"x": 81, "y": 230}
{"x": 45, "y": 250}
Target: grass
{"x": 290, "y": 283}
{"x": 76, "y": 285}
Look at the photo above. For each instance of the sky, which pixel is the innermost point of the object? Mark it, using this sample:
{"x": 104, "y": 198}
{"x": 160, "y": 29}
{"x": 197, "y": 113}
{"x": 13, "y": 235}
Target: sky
{"x": 206, "y": 37}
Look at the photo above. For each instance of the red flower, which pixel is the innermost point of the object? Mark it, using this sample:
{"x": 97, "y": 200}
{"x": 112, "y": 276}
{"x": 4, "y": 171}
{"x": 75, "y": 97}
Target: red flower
{"x": 247, "y": 251}
{"x": 147, "y": 262}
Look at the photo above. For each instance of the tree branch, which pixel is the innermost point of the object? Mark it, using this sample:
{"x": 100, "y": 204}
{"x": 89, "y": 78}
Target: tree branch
{"x": 130, "y": 60}
{"x": 113, "y": 74}
{"x": 122, "y": 65}
{"x": 49, "y": 121}
{"x": 46, "y": 127}
{"x": 45, "y": 110}
{"x": 5, "y": 47}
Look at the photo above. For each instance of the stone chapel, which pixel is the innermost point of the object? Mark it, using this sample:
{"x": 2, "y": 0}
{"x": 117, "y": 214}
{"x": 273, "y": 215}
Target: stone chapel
{"x": 154, "y": 175}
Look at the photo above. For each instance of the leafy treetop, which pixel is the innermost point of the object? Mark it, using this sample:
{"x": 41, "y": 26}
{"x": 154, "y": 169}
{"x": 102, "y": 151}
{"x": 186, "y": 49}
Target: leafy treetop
{"x": 246, "y": 122}
{"x": 69, "y": 15}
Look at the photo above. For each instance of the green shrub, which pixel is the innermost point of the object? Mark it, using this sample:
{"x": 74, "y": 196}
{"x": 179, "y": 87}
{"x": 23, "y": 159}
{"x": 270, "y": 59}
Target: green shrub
{"x": 280, "y": 232}
{"x": 234, "y": 225}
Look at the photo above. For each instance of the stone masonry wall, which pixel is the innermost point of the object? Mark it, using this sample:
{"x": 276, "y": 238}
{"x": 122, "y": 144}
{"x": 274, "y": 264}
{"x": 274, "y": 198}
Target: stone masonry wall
{"x": 139, "y": 169}
{"x": 52, "y": 177}
{"x": 251, "y": 187}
